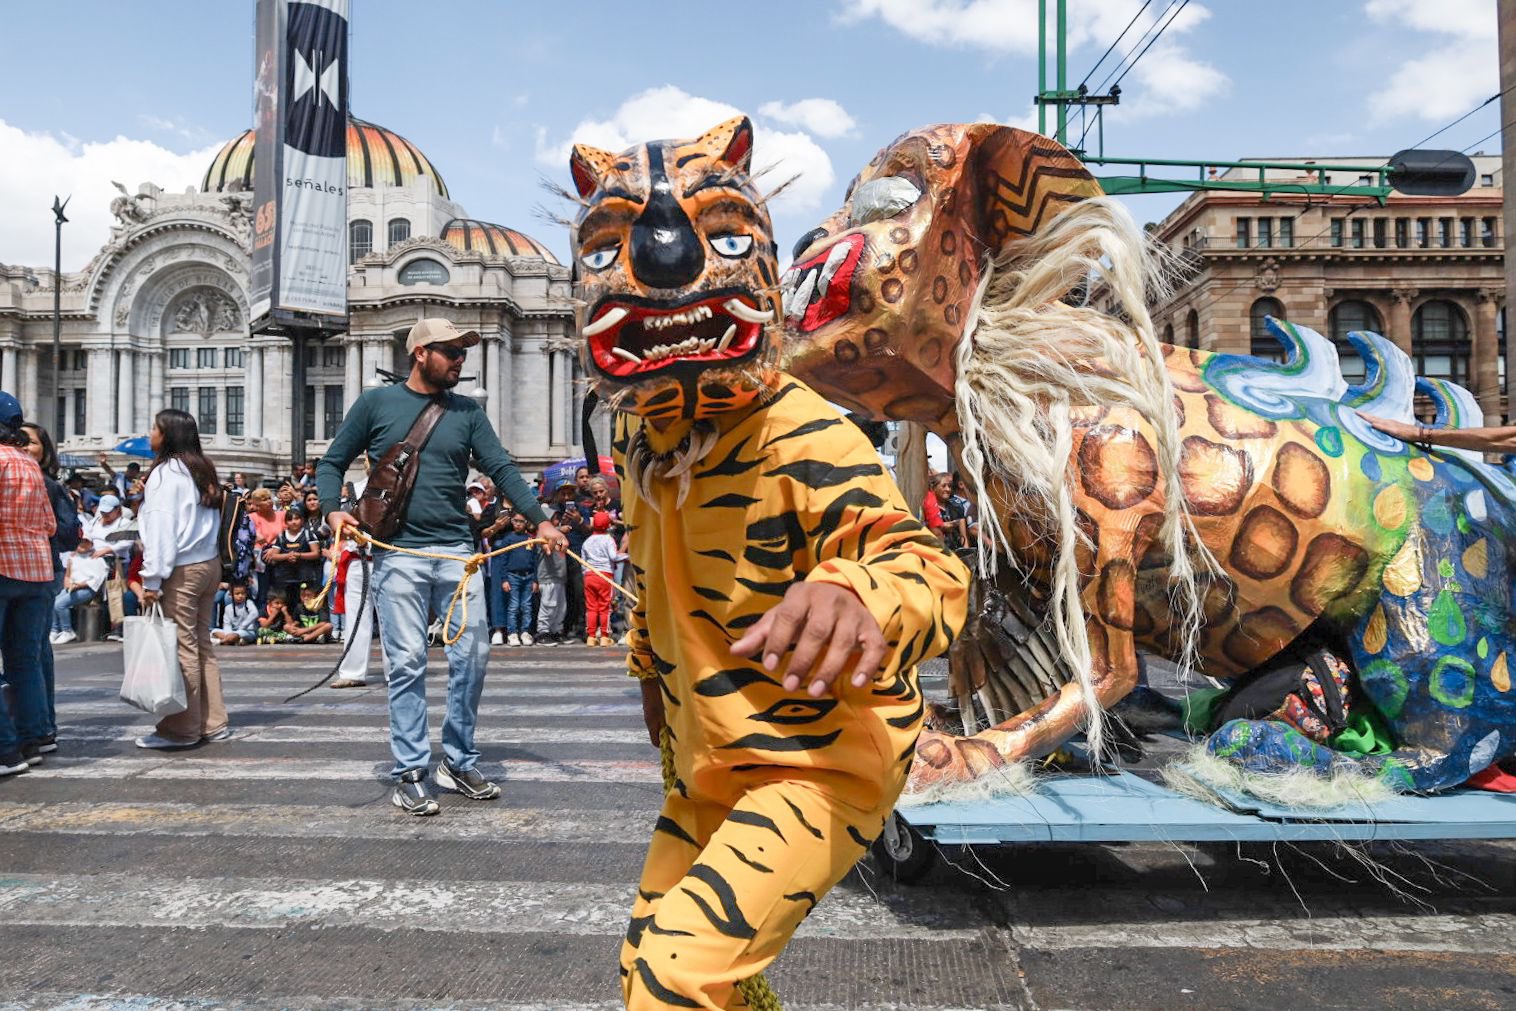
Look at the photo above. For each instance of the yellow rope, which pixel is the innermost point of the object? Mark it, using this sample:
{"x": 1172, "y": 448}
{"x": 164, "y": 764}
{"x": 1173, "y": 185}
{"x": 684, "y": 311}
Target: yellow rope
{"x": 471, "y": 565}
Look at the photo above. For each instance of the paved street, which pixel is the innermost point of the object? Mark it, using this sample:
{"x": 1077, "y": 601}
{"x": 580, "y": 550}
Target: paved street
{"x": 271, "y": 871}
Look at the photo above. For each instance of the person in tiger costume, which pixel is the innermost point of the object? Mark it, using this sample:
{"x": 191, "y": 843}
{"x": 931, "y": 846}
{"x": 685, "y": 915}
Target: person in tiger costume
{"x": 785, "y": 590}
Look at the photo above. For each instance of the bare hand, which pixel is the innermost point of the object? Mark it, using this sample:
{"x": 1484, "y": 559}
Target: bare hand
{"x": 821, "y": 622}
{"x": 339, "y": 519}
{"x": 556, "y": 542}
{"x": 1399, "y": 429}
{"x": 150, "y": 597}
{"x": 652, "y": 709}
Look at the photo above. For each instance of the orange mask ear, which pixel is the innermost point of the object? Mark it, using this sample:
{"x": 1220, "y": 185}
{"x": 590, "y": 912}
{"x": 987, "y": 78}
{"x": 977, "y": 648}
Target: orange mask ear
{"x": 1023, "y": 181}
{"x": 589, "y": 166}
{"x": 731, "y": 142}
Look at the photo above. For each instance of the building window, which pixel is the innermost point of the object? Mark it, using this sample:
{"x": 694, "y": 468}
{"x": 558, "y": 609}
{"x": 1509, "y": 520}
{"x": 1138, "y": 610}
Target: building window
{"x": 333, "y": 356}
{"x": 1357, "y": 233}
{"x": 234, "y": 410}
{"x": 235, "y": 360}
{"x": 178, "y": 398}
{"x": 400, "y": 230}
{"x": 1402, "y": 233}
{"x": 1365, "y": 180}
{"x": 1265, "y": 232}
{"x": 60, "y": 416}
{"x": 178, "y": 358}
{"x": 1345, "y": 318}
{"x": 81, "y": 360}
{"x": 1192, "y": 329}
{"x": 1487, "y": 233}
{"x": 1440, "y": 342}
{"x": 1337, "y": 232}
{"x": 207, "y": 414}
{"x": 1445, "y": 233}
{"x": 1263, "y": 344}
{"x": 205, "y": 358}
{"x": 310, "y": 413}
{"x": 1286, "y": 232}
{"x": 1244, "y": 232}
{"x": 81, "y": 425}
{"x": 1423, "y": 232}
{"x": 1487, "y": 179}
{"x": 360, "y": 240}
{"x": 1381, "y": 233}
{"x": 312, "y": 354}
{"x": 1465, "y": 232}
{"x": 332, "y": 411}
{"x": 1168, "y": 333}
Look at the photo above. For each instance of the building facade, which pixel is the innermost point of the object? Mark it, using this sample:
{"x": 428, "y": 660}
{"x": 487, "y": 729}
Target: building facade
{"x": 1426, "y": 272}
{"x": 159, "y": 317}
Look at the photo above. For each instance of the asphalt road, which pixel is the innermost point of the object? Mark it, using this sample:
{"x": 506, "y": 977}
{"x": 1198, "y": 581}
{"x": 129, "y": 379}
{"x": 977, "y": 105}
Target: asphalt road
{"x": 270, "y": 871}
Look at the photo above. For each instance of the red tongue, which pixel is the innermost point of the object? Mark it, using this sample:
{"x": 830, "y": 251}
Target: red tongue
{"x": 838, "y": 297}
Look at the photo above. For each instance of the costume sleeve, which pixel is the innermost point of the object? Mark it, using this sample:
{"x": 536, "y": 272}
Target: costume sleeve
{"x": 865, "y": 539}
{"x": 495, "y": 462}
{"x": 352, "y": 439}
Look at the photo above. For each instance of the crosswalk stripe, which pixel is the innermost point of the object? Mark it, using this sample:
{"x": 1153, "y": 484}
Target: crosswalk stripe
{"x": 378, "y": 733}
{"x": 261, "y": 691}
{"x": 198, "y": 765}
{"x": 494, "y": 907}
{"x": 1489, "y": 934}
{"x": 34, "y": 1001}
{"x": 436, "y": 703}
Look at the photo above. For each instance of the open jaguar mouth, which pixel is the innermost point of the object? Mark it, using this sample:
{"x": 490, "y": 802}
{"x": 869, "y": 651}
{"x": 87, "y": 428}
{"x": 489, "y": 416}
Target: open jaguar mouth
{"x": 820, "y": 289}
{"x": 633, "y": 338}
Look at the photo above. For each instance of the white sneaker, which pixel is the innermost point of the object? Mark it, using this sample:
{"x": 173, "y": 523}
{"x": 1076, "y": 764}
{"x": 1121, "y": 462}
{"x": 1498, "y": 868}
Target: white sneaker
{"x": 498, "y": 639}
{"x": 64, "y": 637}
{"x": 526, "y": 639}
{"x": 52, "y": 637}
{"x": 434, "y": 632}
{"x": 513, "y": 639}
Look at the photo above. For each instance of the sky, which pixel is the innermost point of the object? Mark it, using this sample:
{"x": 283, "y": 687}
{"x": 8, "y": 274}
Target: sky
{"x": 495, "y": 91}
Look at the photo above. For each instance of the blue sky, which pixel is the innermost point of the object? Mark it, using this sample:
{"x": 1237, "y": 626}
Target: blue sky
{"x": 494, "y": 91}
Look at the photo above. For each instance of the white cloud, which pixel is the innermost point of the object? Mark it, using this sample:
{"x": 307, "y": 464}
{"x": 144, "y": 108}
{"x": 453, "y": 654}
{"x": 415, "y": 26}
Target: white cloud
{"x": 822, "y": 116}
{"x": 1456, "y": 71}
{"x": 1168, "y": 78}
{"x": 1027, "y": 121}
{"x": 670, "y": 112}
{"x": 35, "y": 166}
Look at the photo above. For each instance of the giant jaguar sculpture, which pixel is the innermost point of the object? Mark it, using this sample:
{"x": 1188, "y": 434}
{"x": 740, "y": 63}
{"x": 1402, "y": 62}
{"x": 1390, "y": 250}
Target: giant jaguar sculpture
{"x": 1208, "y": 508}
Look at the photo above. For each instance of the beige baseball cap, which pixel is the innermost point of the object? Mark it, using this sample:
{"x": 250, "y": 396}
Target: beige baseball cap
{"x": 438, "y": 331}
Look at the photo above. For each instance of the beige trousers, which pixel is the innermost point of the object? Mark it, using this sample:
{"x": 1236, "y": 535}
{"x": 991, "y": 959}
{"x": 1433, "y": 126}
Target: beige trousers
{"x": 189, "y": 599}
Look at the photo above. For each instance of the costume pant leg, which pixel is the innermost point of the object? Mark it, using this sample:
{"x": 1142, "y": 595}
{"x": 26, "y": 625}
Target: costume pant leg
{"x": 714, "y": 909}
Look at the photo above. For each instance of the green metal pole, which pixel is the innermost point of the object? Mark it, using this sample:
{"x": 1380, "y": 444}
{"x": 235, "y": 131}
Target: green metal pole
{"x": 1063, "y": 70}
{"x": 1042, "y": 65}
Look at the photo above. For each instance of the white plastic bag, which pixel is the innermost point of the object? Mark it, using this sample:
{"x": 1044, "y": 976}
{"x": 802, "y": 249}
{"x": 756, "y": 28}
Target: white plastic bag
{"x": 153, "y": 682}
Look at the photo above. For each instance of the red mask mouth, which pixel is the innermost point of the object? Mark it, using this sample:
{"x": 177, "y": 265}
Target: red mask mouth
{"x": 820, "y": 289}
{"x": 631, "y": 340}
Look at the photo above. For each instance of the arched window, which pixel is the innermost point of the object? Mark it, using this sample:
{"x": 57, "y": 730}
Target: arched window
{"x": 360, "y": 239}
{"x": 1261, "y": 343}
{"x": 399, "y": 230}
{"x": 1168, "y": 333}
{"x": 1440, "y": 341}
{"x": 1192, "y": 329}
{"x": 1344, "y": 318}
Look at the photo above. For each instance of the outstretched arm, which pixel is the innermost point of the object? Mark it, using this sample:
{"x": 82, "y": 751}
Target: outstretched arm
{"x": 1481, "y": 440}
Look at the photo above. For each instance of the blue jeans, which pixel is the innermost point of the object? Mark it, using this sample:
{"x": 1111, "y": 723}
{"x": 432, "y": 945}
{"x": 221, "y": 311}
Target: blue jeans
{"x": 63, "y": 605}
{"x": 23, "y": 631}
{"x": 45, "y": 652}
{"x": 494, "y": 593}
{"x": 406, "y": 590}
{"x": 518, "y": 609}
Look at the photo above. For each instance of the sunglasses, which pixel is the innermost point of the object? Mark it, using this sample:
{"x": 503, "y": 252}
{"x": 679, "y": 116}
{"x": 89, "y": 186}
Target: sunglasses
{"x": 452, "y": 354}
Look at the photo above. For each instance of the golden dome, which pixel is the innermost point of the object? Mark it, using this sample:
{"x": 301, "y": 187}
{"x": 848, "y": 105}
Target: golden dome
{"x": 497, "y": 240}
{"x": 375, "y": 157}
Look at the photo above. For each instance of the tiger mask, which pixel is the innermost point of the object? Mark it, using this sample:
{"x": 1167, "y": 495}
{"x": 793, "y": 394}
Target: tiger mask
{"x": 881, "y": 293}
{"x": 677, "y": 273}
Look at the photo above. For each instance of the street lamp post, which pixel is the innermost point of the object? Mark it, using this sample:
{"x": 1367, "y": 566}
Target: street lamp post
{"x": 58, "y": 220}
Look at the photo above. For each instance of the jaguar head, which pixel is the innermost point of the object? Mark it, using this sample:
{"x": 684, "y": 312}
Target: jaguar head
{"x": 880, "y": 295}
{"x": 677, "y": 276}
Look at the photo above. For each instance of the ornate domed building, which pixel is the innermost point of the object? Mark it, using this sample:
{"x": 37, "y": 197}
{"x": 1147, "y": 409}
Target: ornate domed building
{"x": 159, "y": 317}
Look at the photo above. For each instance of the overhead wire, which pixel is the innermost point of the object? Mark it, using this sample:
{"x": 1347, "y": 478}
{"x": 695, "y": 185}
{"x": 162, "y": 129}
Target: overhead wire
{"x": 1112, "y": 47}
{"x": 1161, "y": 25}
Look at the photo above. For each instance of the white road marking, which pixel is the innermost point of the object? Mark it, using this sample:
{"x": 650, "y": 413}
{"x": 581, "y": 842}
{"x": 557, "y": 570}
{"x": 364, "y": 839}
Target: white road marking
{"x": 201, "y": 764}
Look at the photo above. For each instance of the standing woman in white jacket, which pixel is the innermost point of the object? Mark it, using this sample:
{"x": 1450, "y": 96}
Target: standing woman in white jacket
{"x": 181, "y": 570}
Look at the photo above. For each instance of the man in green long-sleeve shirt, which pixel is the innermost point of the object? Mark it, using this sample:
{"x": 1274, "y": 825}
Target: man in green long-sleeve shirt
{"x": 406, "y": 588}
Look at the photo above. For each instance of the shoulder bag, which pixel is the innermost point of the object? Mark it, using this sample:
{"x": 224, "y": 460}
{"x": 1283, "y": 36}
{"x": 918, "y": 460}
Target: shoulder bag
{"x": 381, "y": 507}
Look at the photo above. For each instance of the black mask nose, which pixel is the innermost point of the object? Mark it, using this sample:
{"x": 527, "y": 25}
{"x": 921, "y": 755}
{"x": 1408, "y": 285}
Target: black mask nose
{"x": 666, "y": 252}
{"x": 806, "y": 240}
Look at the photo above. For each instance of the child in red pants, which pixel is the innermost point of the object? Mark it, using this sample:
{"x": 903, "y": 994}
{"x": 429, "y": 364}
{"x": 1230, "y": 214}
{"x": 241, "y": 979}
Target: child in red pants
{"x": 601, "y": 554}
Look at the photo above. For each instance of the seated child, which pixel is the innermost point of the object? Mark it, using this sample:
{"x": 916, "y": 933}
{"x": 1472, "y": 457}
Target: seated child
{"x": 310, "y": 622}
{"x": 239, "y": 619}
{"x": 276, "y": 617}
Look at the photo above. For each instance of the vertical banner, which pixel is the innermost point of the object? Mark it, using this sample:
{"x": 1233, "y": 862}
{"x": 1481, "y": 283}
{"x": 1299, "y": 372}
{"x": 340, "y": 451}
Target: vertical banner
{"x": 299, "y": 268}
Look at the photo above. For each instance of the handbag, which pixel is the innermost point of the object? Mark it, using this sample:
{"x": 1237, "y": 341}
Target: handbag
{"x": 381, "y": 507}
{"x": 153, "y": 681}
{"x": 115, "y": 597}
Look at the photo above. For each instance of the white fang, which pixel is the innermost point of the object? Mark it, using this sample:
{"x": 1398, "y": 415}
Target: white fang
{"x": 746, "y": 313}
{"x": 605, "y": 322}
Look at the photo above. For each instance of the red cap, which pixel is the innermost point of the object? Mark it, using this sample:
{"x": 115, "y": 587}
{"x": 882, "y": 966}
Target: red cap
{"x": 601, "y": 522}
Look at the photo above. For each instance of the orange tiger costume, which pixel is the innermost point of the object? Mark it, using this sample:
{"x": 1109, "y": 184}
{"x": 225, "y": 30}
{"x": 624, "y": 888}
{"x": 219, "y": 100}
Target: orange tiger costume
{"x": 739, "y": 482}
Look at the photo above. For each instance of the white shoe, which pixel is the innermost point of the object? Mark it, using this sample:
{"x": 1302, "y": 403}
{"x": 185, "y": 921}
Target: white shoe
{"x": 526, "y": 639}
{"x": 498, "y": 639}
{"x": 513, "y": 639}
{"x": 434, "y": 632}
{"x": 52, "y": 637}
{"x": 64, "y": 637}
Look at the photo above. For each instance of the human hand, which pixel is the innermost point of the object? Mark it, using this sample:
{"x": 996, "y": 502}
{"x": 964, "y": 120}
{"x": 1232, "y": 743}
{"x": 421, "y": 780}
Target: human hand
{"x": 652, "y": 709}
{"x": 816, "y": 618}
{"x": 150, "y": 597}
{"x": 556, "y": 542}
{"x": 340, "y": 519}
{"x": 1399, "y": 429}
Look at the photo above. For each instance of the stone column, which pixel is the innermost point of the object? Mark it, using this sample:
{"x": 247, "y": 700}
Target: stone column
{"x": 9, "y": 380}
{"x": 489, "y": 377}
{"x": 100, "y": 388}
{"x": 28, "y": 393}
{"x": 503, "y": 380}
{"x": 278, "y": 375}
{"x": 1486, "y": 367}
{"x": 352, "y": 374}
{"x": 1400, "y": 317}
{"x": 126, "y": 392}
{"x": 252, "y": 395}
{"x": 531, "y": 401}
{"x": 156, "y": 391}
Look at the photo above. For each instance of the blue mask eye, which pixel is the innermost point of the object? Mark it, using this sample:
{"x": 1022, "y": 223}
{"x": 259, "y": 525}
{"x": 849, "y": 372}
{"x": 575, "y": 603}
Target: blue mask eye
{"x": 600, "y": 258}
{"x": 731, "y": 244}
